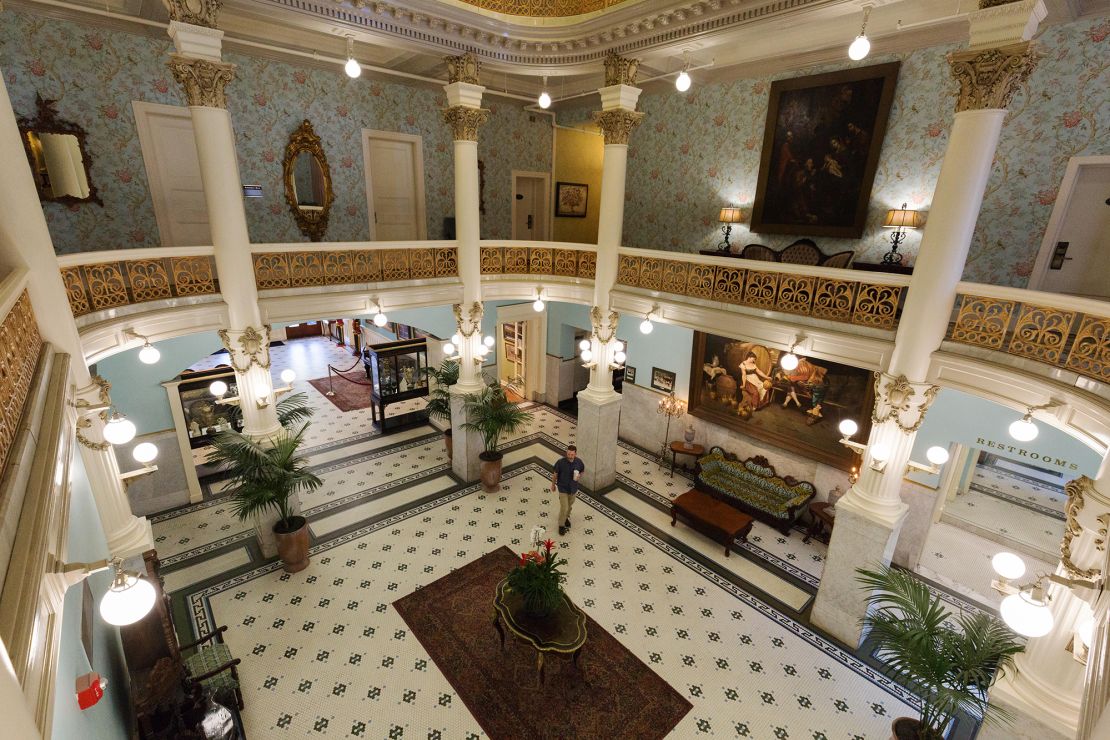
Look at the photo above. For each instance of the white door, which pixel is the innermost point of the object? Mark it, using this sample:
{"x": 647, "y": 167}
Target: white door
{"x": 529, "y": 207}
{"x": 394, "y": 186}
{"x": 173, "y": 171}
{"x": 1075, "y": 260}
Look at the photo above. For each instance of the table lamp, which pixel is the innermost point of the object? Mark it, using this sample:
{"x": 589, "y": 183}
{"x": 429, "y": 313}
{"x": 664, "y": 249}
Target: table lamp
{"x": 728, "y": 217}
{"x": 899, "y": 219}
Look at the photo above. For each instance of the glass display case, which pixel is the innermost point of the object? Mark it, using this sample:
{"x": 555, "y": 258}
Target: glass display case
{"x": 398, "y": 372}
{"x": 204, "y": 415}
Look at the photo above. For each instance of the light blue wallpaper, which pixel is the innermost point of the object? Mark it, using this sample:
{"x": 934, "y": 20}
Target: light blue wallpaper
{"x": 95, "y": 74}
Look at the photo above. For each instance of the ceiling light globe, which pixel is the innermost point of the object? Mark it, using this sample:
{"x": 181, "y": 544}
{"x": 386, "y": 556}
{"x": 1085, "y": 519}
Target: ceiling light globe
{"x": 538, "y": 306}
{"x": 646, "y": 327}
{"x": 584, "y": 344}
{"x": 489, "y": 341}
{"x": 1023, "y": 430}
{"x": 859, "y": 49}
{"x": 119, "y": 430}
{"x": 682, "y": 82}
{"x": 448, "y": 349}
{"x": 937, "y": 455}
{"x": 353, "y": 69}
{"x": 1008, "y": 565}
{"x": 288, "y": 376}
{"x": 218, "y": 388}
{"x": 380, "y": 319}
{"x": 144, "y": 452}
{"x": 587, "y": 355}
{"x": 545, "y": 100}
{"x": 619, "y": 357}
{"x": 789, "y": 361}
{"x": 149, "y": 354}
{"x": 1025, "y": 615}
{"x": 127, "y": 601}
{"x": 848, "y": 427}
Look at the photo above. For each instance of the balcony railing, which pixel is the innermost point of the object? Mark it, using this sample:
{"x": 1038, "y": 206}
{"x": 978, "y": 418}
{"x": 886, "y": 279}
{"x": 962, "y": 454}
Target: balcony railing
{"x": 1064, "y": 331}
{"x": 299, "y": 265}
{"x": 557, "y": 259}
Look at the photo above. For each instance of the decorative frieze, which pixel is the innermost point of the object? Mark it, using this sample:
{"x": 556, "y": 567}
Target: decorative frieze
{"x": 464, "y": 121}
{"x": 203, "y": 80}
{"x": 19, "y": 336}
{"x": 902, "y": 402}
{"x": 989, "y": 78}
{"x": 196, "y": 12}
{"x": 463, "y": 68}
{"x": 620, "y": 70}
{"x": 247, "y": 347}
{"x": 617, "y": 124}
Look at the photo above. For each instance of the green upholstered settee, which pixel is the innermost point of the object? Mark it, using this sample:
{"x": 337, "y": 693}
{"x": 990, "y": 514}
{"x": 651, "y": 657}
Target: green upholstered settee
{"x": 753, "y": 487}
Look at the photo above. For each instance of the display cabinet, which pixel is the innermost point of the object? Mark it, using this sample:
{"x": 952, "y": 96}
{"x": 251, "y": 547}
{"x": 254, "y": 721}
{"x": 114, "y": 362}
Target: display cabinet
{"x": 198, "y": 416}
{"x": 398, "y": 372}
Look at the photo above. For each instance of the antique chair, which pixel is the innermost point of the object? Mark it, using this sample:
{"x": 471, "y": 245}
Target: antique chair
{"x": 840, "y": 259}
{"x": 213, "y": 667}
{"x": 759, "y": 252}
{"x": 801, "y": 252}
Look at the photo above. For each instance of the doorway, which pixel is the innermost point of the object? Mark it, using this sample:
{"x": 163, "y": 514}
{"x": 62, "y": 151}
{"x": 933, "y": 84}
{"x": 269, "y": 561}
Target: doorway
{"x": 521, "y": 351}
{"x": 394, "y": 166}
{"x": 1076, "y": 244}
{"x": 530, "y": 205}
{"x": 173, "y": 171}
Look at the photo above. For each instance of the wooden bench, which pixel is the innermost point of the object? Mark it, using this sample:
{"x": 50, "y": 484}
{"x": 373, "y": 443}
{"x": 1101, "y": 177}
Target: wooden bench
{"x": 712, "y": 517}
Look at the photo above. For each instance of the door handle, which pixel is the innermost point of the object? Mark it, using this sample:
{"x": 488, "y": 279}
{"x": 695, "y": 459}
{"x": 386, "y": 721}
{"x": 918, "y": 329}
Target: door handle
{"x": 529, "y": 220}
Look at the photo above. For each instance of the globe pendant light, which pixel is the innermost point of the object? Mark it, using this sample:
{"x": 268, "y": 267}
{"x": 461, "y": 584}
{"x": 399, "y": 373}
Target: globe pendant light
{"x": 682, "y": 82}
{"x": 538, "y": 305}
{"x": 544, "y": 99}
{"x": 861, "y": 46}
{"x": 1027, "y": 613}
{"x": 149, "y": 354}
{"x": 1024, "y": 430}
{"x": 128, "y": 600}
{"x": 119, "y": 430}
{"x": 646, "y": 327}
{"x": 352, "y": 67}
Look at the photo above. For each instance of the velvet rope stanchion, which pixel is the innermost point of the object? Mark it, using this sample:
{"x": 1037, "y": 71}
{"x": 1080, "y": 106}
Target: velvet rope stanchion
{"x": 332, "y": 369}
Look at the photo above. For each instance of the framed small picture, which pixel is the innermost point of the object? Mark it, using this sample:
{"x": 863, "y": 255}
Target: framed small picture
{"x": 570, "y": 199}
{"x": 662, "y": 380}
{"x": 629, "y": 374}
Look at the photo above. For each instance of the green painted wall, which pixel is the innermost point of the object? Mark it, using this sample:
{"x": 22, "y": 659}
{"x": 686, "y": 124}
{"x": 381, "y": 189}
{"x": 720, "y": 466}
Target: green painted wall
{"x": 109, "y": 719}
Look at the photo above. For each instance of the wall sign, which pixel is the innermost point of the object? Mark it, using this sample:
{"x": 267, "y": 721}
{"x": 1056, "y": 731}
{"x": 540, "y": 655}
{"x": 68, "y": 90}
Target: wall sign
{"x": 1033, "y": 455}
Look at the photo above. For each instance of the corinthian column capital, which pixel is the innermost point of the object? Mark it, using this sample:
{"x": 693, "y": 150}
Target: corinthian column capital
{"x": 620, "y": 70}
{"x": 463, "y": 68}
{"x": 464, "y": 121}
{"x": 989, "y": 78}
{"x": 617, "y": 124}
{"x": 196, "y": 12}
{"x": 203, "y": 80}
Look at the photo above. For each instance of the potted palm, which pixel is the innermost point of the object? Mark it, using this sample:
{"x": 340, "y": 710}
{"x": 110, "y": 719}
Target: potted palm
{"x": 439, "y": 399}
{"x": 491, "y": 415}
{"x": 951, "y": 661}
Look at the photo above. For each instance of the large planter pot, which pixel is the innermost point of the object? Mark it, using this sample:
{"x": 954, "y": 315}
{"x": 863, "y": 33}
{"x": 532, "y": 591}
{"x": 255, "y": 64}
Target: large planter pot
{"x": 448, "y": 443}
{"x": 490, "y": 471}
{"x": 292, "y": 544}
{"x": 907, "y": 728}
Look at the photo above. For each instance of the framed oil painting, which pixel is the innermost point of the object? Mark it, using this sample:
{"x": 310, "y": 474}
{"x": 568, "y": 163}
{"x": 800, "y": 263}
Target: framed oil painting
{"x": 571, "y": 199}
{"x": 739, "y": 384}
{"x": 821, "y": 146}
{"x": 662, "y": 380}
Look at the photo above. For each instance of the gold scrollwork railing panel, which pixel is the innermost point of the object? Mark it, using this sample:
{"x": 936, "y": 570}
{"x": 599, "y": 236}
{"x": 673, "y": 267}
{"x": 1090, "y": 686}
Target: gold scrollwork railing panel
{"x": 847, "y": 301}
{"x": 19, "y": 336}
{"x": 275, "y": 270}
{"x": 102, "y": 285}
{"x": 1064, "y": 338}
{"x": 538, "y": 261}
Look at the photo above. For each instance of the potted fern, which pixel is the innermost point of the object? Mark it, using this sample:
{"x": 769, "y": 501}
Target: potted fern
{"x": 439, "y": 398}
{"x": 492, "y": 415}
{"x": 951, "y": 661}
{"x": 265, "y": 475}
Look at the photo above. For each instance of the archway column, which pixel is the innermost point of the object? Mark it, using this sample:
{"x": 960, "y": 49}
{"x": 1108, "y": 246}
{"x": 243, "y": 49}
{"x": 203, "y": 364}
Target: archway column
{"x": 599, "y": 404}
{"x": 870, "y": 516}
{"x": 25, "y": 243}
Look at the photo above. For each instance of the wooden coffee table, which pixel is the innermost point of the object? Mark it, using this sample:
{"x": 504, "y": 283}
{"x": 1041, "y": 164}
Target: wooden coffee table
{"x": 712, "y": 517}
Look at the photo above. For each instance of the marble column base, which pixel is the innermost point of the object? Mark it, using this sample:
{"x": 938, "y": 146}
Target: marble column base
{"x": 1032, "y": 721}
{"x": 466, "y": 444}
{"x": 598, "y": 422}
{"x": 858, "y": 541}
{"x": 264, "y": 527}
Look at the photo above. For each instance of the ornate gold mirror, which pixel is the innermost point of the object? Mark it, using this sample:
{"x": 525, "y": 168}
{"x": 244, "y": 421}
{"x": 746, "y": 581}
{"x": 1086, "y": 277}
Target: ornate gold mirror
{"x": 57, "y": 155}
{"x": 308, "y": 182}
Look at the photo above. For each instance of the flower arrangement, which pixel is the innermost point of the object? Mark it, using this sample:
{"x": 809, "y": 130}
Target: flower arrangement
{"x": 538, "y": 580}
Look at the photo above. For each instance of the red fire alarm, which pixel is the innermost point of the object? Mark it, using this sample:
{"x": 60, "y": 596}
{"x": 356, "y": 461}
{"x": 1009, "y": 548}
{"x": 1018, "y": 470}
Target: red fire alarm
{"x": 90, "y": 687}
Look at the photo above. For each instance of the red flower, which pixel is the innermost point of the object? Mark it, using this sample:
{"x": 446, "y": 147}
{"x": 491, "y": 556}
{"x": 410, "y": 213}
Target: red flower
{"x": 161, "y": 85}
{"x": 548, "y": 544}
{"x": 109, "y": 111}
{"x": 36, "y": 67}
{"x": 1100, "y": 32}
{"x": 1072, "y": 119}
{"x": 94, "y": 41}
{"x": 1046, "y": 197}
{"x": 299, "y": 77}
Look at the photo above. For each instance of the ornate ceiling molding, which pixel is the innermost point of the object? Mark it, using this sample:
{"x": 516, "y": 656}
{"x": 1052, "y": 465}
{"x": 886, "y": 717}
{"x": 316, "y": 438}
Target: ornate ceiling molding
{"x": 544, "y": 8}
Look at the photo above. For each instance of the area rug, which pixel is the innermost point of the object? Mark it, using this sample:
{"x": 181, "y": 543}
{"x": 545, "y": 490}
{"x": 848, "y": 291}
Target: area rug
{"x": 615, "y": 695}
{"x": 350, "y": 394}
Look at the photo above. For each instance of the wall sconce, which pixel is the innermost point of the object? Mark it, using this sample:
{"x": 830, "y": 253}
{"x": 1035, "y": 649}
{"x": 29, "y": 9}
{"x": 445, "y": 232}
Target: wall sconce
{"x": 1025, "y": 608}
{"x": 129, "y": 599}
{"x": 149, "y": 354}
{"x": 144, "y": 453}
{"x": 899, "y": 219}
{"x": 728, "y": 217}
{"x": 880, "y": 453}
{"x": 587, "y": 354}
{"x": 618, "y": 356}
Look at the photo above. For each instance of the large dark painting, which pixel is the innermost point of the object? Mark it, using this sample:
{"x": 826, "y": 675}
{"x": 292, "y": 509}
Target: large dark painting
{"x": 821, "y": 147}
{"x": 740, "y": 385}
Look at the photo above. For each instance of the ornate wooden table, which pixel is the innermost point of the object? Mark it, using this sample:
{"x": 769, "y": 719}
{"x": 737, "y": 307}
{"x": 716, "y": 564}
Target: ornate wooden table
{"x": 822, "y": 516}
{"x": 680, "y": 448}
{"x": 563, "y": 632}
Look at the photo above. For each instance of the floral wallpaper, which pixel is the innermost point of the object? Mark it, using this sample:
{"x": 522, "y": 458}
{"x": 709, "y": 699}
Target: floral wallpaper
{"x": 696, "y": 152}
{"x": 96, "y": 73}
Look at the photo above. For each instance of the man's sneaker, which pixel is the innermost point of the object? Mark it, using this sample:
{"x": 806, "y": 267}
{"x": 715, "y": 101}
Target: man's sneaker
{"x": 566, "y": 525}
{"x": 562, "y": 531}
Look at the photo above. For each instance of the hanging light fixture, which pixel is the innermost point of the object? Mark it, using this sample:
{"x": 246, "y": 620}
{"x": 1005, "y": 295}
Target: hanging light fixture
{"x": 149, "y": 354}
{"x": 538, "y": 305}
{"x": 682, "y": 82}
{"x": 861, "y": 46}
{"x": 544, "y": 99}
{"x": 1024, "y": 430}
{"x": 1027, "y": 612}
{"x": 119, "y": 430}
{"x": 789, "y": 361}
{"x": 352, "y": 67}
{"x": 128, "y": 600}
{"x": 646, "y": 327}
{"x": 380, "y": 319}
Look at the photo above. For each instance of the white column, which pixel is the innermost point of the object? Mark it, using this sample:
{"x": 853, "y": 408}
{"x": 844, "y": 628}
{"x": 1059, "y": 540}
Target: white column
{"x": 870, "y": 515}
{"x": 25, "y": 242}
{"x": 198, "y": 67}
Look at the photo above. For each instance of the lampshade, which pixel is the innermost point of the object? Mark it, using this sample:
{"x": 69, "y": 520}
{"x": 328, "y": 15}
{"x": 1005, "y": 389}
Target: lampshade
{"x": 1008, "y": 565}
{"x": 128, "y": 600}
{"x": 903, "y": 218}
{"x": 1026, "y": 614}
{"x": 730, "y": 216}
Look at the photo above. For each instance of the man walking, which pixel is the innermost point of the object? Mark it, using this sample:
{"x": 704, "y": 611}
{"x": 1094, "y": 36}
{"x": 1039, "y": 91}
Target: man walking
{"x": 565, "y": 478}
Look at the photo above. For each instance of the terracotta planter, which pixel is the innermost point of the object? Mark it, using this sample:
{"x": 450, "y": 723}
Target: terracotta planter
{"x": 448, "y": 443}
{"x": 292, "y": 544}
{"x": 490, "y": 471}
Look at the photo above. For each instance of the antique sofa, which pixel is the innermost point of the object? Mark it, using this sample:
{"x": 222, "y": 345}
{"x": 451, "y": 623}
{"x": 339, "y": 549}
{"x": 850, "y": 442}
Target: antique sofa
{"x": 753, "y": 487}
